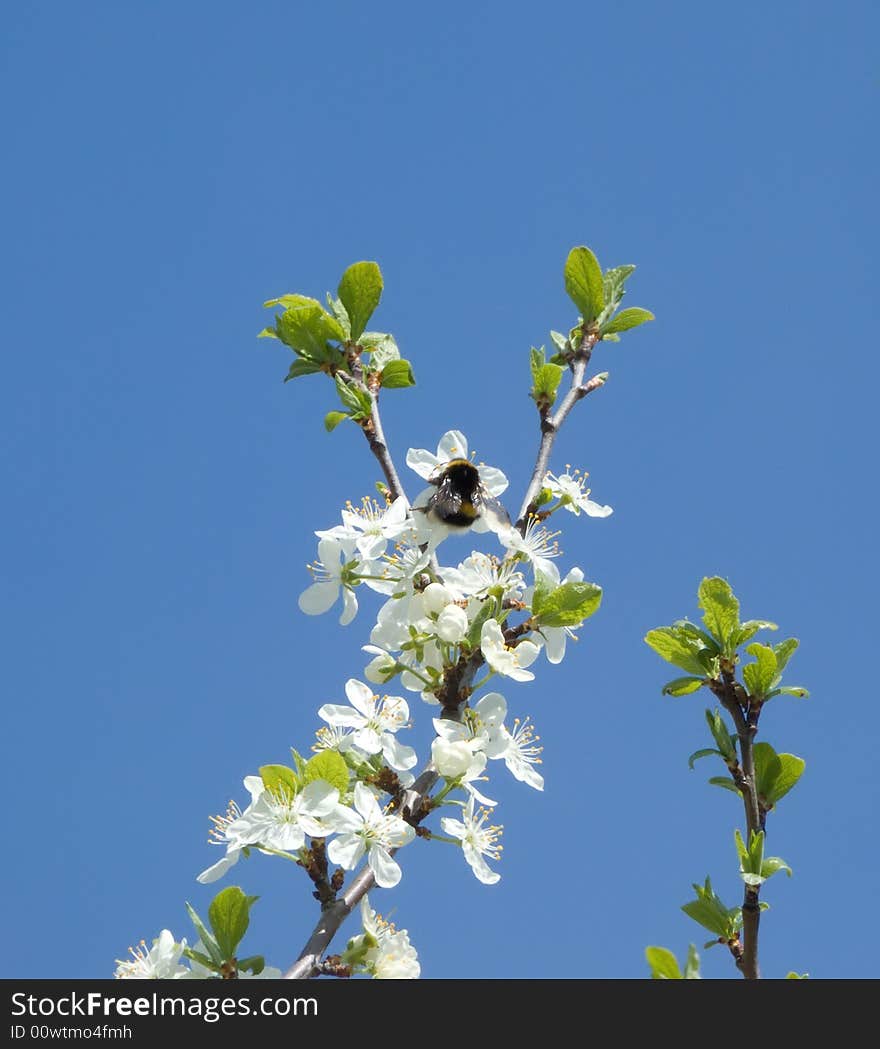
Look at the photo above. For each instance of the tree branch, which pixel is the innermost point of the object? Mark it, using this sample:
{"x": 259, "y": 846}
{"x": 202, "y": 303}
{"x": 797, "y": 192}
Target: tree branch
{"x": 372, "y": 427}
{"x": 729, "y": 693}
{"x": 550, "y": 424}
{"x": 375, "y": 435}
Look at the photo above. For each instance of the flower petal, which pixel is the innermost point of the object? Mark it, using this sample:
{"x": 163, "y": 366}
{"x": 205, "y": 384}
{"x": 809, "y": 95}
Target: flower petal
{"x": 337, "y": 714}
{"x": 493, "y": 479}
{"x": 422, "y": 461}
{"x": 361, "y": 697}
{"x": 453, "y": 445}
{"x": 527, "y": 653}
{"x": 218, "y": 869}
{"x": 453, "y": 827}
{"x": 349, "y": 606}
{"x": 318, "y": 598}
{"x": 479, "y": 866}
{"x": 319, "y": 798}
{"x": 346, "y": 850}
{"x": 386, "y": 870}
{"x": 492, "y": 708}
{"x": 366, "y": 804}
{"x": 398, "y": 755}
{"x": 595, "y": 509}
{"x": 554, "y": 643}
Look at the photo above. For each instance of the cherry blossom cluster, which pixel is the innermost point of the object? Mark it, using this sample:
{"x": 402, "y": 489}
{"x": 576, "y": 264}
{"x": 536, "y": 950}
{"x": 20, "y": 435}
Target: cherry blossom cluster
{"x": 487, "y": 617}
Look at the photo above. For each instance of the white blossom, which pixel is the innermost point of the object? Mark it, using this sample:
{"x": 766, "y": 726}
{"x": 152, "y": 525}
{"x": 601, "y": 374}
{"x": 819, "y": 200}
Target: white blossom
{"x": 369, "y": 830}
{"x": 331, "y": 572}
{"x": 371, "y": 525}
{"x": 281, "y": 821}
{"x": 481, "y": 574}
{"x": 373, "y": 719}
{"x": 160, "y": 962}
{"x": 219, "y": 833}
{"x": 382, "y": 667}
{"x": 538, "y": 545}
{"x": 381, "y": 950}
{"x": 569, "y": 488}
{"x": 509, "y": 661}
{"x": 462, "y": 759}
{"x": 477, "y": 840}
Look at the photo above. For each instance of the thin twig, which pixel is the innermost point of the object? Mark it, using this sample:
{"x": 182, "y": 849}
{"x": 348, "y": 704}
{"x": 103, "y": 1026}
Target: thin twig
{"x": 375, "y": 435}
{"x": 550, "y": 424}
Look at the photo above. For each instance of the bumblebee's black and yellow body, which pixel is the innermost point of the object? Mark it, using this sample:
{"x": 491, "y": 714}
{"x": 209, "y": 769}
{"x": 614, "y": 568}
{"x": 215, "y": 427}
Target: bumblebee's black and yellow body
{"x": 461, "y": 498}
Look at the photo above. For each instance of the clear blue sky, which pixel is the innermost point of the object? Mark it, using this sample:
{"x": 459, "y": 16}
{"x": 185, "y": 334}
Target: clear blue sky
{"x": 168, "y": 167}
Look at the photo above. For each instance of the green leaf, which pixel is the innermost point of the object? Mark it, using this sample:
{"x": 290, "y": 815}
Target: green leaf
{"x": 302, "y": 366}
{"x": 697, "y": 754}
{"x": 791, "y": 768}
{"x": 773, "y": 864}
{"x": 692, "y": 965}
{"x": 797, "y": 976}
{"x": 546, "y": 383}
{"x": 613, "y": 283}
{"x": 202, "y": 959}
{"x": 280, "y": 780}
{"x": 720, "y": 610}
{"x": 768, "y": 768}
{"x": 751, "y": 859}
{"x": 789, "y": 690}
{"x": 288, "y": 302}
{"x": 674, "y": 645}
{"x": 397, "y": 375}
{"x": 560, "y": 341}
{"x": 709, "y": 911}
{"x": 683, "y": 686}
{"x": 725, "y": 740}
{"x": 775, "y": 774}
{"x": 267, "y": 333}
{"x": 760, "y": 677}
{"x": 784, "y": 651}
{"x": 299, "y": 763}
{"x": 692, "y": 631}
{"x": 354, "y": 398}
{"x": 726, "y": 782}
{"x": 330, "y": 766}
{"x": 229, "y": 915}
{"x": 626, "y": 319}
{"x": 208, "y": 941}
{"x": 748, "y": 630}
{"x": 567, "y": 605}
{"x": 360, "y": 291}
{"x": 307, "y": 328}
{"x": 663, "y": 964}
{"x": 536, "y": 360}
{"x": 341, "y": 314}
{"x": 583, "y": 282}
{"x": 333, "y": 419}
{"x": 383, "y": 348}
{"x": 255, "y": 964}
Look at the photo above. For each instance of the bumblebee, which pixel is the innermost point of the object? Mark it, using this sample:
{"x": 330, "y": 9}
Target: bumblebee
{"x": 462, "y": 500}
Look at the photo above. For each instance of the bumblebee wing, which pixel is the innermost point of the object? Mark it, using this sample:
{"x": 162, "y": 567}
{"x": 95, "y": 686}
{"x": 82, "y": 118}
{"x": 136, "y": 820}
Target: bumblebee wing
{"x": 492, "y": 513}
{"x": 446, "y": 501}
